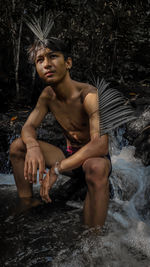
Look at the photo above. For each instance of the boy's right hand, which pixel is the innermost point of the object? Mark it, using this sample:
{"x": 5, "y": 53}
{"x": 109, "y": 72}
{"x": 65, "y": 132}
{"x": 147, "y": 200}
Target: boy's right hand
{"x": 34, "y": 159}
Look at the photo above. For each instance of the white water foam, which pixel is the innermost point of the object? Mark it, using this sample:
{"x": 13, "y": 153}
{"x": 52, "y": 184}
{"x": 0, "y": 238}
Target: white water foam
{"x": 6, "y": 179}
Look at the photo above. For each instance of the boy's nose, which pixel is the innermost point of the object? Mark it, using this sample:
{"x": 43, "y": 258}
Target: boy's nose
{"x": 47, "y": 62}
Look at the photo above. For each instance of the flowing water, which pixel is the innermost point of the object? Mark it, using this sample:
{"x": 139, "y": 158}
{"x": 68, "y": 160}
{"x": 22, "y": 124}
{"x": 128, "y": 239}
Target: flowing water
{"x": 53, "y": 235}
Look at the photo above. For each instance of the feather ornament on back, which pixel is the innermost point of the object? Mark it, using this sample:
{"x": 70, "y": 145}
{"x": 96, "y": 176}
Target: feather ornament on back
{"x": 114, "y": 110}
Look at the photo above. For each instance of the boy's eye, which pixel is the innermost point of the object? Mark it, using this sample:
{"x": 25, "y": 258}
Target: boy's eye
{"x": 39, "y": 60}
{"x": 53, "y": 56}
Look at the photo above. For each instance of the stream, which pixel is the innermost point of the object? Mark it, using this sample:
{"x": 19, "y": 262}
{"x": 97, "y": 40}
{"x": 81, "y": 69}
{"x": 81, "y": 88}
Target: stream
{"x": 53, "y": 234}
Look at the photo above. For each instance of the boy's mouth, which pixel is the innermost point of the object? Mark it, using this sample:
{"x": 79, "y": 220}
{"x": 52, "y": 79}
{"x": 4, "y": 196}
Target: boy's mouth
{"x": 49, "y": 73}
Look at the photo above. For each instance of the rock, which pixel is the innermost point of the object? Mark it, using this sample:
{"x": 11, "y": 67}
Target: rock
{"x": 138, "y": 134}
{"x": 135, "y": 127}
{"x": 142, "y": 144}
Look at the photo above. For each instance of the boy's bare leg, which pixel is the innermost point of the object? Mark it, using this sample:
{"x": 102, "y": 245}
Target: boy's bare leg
{"x": 17, "y": 156}
{"x": 97, "y": 198}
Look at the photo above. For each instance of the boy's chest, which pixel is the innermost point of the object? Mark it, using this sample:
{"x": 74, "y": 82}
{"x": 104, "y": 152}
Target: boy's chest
{"x": 72, "y": 117}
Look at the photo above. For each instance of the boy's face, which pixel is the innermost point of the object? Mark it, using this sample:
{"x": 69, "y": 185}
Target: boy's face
{"x": 51, "y": 66}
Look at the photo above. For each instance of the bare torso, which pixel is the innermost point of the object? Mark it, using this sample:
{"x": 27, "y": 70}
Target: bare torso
{"x": 71, "y": 114}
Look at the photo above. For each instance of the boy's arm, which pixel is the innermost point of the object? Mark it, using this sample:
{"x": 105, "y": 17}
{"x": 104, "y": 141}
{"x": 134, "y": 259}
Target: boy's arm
{"x": 98, "y": 145}
{"x": 28, "y": 132}
{"x": 34, "y": 157}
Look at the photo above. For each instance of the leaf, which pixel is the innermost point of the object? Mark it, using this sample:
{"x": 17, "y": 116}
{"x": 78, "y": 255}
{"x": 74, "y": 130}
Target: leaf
{"x": 14, "y": 118}
{"x": 113, "y": 108}
{"x": 41, "y": 26}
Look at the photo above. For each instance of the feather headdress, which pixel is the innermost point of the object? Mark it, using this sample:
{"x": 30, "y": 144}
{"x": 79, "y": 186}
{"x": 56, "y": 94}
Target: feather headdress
{"x": 113, "y": 107}
{"x": 41, "y": 27}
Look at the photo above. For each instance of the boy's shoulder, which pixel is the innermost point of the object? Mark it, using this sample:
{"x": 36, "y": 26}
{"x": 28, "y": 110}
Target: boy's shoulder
{"x": 86, "y": 89}
{"x": 47, "y": 93}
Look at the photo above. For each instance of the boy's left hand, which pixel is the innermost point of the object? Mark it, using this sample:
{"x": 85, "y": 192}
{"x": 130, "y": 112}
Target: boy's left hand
{"x": 47, "y": 184}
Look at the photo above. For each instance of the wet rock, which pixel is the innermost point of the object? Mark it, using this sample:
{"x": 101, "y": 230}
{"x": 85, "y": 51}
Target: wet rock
{"x": 138, "y": 134}
{"x": 135, "y": 127}
{"x": 142, "y": 144}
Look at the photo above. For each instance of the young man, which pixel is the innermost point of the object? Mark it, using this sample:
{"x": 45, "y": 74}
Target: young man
{"x": 75, "y": 106}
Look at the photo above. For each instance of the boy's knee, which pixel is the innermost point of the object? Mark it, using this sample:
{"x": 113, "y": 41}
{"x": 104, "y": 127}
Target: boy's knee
{"x": 17, "y": 148}
{"x": 96, "y": 172}
{"x": 95, "y": 166}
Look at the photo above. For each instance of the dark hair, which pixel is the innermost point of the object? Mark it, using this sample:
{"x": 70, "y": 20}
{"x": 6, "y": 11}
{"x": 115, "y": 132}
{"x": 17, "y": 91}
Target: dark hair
{"x": 52, "y": 43}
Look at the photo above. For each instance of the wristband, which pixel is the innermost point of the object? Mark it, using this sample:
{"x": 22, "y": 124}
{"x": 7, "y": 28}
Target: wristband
{"x": 56, "y": 168}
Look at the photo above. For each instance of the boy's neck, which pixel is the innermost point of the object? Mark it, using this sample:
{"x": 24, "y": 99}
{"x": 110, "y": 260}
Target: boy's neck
{"x": 65, "y": 89}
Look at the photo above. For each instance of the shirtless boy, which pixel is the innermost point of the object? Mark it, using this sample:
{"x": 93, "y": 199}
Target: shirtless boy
{"x": 75, "y": 107}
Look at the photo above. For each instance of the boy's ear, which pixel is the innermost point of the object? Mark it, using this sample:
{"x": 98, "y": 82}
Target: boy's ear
{"x": 69, "y": 63}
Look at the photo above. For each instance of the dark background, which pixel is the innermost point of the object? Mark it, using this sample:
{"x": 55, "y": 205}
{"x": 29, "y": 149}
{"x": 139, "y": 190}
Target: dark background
{"x": 109, "y": 39}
